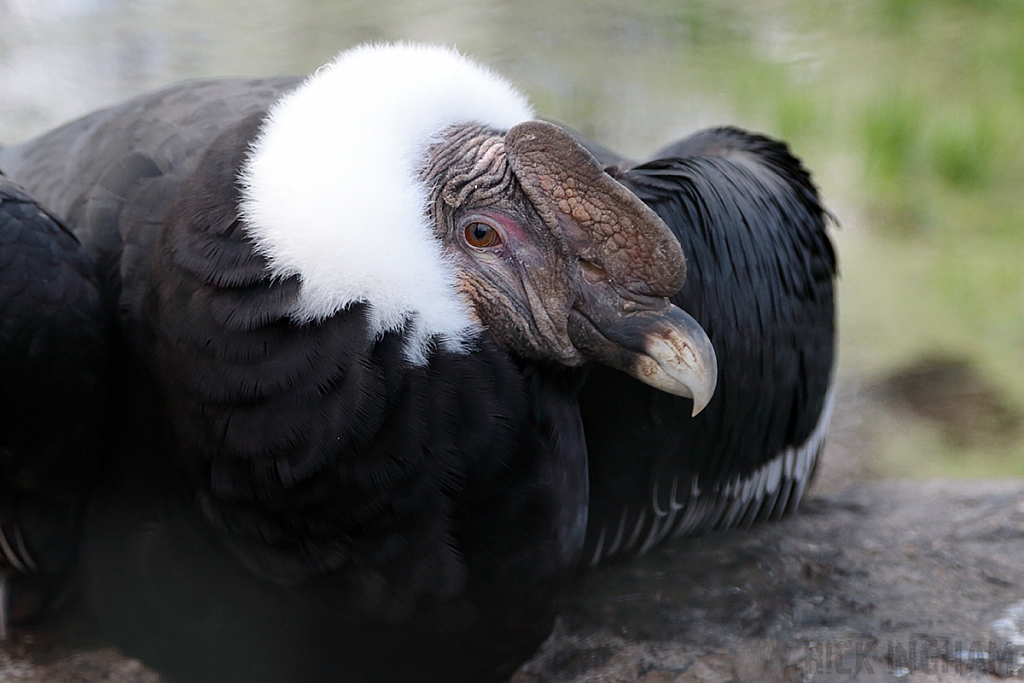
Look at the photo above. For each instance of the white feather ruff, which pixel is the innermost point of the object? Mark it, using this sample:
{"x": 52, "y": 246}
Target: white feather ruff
{"x": 330, "y": 191}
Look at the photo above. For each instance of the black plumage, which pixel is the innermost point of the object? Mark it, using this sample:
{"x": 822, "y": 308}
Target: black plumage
{"x": 287, "y": 500}
{"x": 761, "y": 271}
{"x": 351, "y": 513}
{"x": 53, "y": 381}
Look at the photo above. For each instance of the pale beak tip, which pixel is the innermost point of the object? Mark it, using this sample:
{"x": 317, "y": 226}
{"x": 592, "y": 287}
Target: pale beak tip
{"x": 699, "y": 405}
{"x": 703, "y": 394}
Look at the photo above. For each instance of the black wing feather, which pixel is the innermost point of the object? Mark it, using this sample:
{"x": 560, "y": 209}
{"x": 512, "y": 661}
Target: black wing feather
{"x": 53, "y": 387}
{"x": 760, "y": 281}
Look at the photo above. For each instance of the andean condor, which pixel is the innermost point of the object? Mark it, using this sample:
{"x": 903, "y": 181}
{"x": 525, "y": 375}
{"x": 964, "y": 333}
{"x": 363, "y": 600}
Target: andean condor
{"x": 350, "y": 322}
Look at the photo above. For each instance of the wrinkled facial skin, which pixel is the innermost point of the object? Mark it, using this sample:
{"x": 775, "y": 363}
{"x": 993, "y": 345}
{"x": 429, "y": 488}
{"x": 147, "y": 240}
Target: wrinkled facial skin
{"x": 523, "y": 284}
{"x": 561, "y": 263}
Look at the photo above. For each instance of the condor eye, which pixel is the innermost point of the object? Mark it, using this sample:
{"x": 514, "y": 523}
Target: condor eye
{"x": 481, "y": 235}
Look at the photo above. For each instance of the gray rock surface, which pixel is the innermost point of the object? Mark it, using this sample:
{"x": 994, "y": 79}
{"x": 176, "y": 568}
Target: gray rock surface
{"x": 886, "y": 581}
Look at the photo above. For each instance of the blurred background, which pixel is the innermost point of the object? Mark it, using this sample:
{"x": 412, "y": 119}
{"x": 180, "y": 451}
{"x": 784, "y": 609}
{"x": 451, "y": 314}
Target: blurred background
{"x": 909, "y": 112}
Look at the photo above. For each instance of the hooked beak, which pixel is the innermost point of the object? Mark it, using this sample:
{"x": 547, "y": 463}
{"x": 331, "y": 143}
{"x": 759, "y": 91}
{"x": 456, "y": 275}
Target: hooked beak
{"x": 630, "y": 263}
{"x": 663, "y": 347}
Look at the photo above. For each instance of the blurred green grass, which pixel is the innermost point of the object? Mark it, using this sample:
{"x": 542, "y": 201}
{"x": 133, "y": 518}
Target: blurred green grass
{"x": 927, "y": 100}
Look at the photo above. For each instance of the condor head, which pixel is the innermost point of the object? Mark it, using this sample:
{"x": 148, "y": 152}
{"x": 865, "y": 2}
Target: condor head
{"x": 561, "y": 263}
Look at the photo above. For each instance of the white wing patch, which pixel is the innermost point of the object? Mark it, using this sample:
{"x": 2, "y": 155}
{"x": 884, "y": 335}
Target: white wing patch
{"x": 331, "y": 192}
{"x": 769, "y": 492}
{"x": 14, "y": 554}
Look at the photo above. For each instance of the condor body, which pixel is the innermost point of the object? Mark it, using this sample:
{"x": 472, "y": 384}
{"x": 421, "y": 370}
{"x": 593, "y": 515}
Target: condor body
{"x": 351, "y": 319}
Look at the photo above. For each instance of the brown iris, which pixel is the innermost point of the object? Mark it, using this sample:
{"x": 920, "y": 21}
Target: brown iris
{"x": 481, "y": 235}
